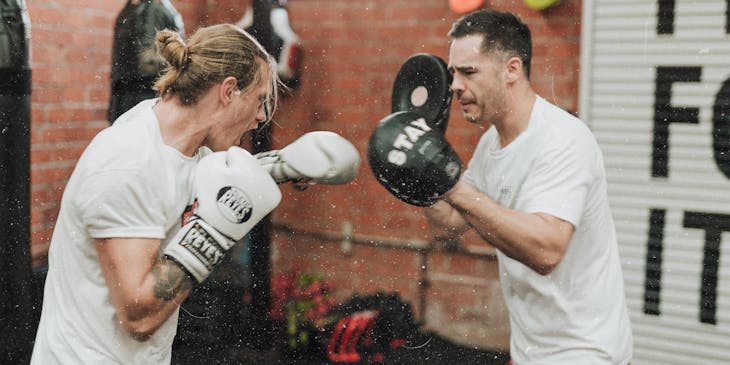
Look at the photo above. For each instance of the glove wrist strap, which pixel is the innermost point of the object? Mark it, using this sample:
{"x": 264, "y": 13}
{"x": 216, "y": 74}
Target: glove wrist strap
{"x": 198, "y": 248}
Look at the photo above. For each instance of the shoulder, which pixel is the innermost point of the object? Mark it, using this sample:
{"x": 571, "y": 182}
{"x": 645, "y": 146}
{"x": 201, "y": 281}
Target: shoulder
{"x": 129, "y": 144}
{"x": 562, "y": 128}
{"x": 560, "y": 118}
{"x": 565, "y": 140}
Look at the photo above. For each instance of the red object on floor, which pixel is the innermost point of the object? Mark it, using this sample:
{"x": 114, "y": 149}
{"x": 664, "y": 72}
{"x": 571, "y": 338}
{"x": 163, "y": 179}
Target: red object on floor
{"x": 348, "y": 333}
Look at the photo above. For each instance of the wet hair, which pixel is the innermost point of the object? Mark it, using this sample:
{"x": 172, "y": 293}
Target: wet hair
{"x": 209, "y": 56}
{"x": 501, "y": 32}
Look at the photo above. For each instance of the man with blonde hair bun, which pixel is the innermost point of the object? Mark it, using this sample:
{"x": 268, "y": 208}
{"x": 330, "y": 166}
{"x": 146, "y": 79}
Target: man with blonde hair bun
{"x": 157, "y": 200}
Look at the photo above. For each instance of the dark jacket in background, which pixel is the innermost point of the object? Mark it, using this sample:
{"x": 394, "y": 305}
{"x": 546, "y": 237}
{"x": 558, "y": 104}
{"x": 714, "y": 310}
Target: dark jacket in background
{"x": 135, "y": 64}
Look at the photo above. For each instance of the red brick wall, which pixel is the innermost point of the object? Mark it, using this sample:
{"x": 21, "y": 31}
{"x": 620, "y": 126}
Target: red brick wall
{"x": 70, "y": 60}
{"x": 70, "y": 53}
{"x": 353, "y": 51}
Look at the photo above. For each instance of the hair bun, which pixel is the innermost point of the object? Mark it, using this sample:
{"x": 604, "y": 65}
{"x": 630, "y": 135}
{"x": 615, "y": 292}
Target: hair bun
{"x": 172, "y": 48}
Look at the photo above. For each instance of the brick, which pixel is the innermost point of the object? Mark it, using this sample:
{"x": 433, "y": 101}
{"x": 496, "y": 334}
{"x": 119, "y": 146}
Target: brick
{"x": 51, "y": 175}
{"x": 65, "y": 133}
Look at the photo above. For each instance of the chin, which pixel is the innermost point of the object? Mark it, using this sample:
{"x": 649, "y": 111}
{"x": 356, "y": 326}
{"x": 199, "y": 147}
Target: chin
{"x": 471, "y": 118}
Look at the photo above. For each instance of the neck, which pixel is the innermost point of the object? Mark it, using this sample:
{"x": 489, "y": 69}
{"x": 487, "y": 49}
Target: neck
{"x": 516, "y": 117}
{"x": 181, "y": 126}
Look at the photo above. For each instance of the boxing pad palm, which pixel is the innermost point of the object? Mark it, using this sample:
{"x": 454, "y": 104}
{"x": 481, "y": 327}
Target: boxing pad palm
{"x": 413, "y": 161}
{"x": 423, "y": 85}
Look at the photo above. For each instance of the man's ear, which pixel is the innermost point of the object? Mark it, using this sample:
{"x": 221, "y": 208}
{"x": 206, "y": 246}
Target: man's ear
{"x": 514, "y": 69}
{"x": 227, "y": 90}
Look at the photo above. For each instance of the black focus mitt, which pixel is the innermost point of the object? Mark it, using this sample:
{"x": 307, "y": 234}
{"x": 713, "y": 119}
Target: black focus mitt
{"x": 413, "y": 161}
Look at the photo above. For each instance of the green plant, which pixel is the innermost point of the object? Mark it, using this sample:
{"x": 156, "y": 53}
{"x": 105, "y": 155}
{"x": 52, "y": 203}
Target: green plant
{"x": 302, "y": 301}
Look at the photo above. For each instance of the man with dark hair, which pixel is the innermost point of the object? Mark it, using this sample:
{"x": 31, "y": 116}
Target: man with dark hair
{"x": 535, "y": 189}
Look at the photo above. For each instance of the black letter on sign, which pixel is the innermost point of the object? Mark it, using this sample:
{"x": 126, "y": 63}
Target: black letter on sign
{"x": 665, "y": 17}
{"x": 664, "y": 113}
{"x": 653, "y": 278}
{"x": 727, "y": 16}
{"x": 713, "y": 225}
{"x": 721, "y": 128}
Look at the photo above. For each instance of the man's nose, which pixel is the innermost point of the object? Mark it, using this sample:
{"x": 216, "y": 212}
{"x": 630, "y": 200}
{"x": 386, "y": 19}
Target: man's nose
{"x": 262, "y": 114}
{"x": 457, "y": 86}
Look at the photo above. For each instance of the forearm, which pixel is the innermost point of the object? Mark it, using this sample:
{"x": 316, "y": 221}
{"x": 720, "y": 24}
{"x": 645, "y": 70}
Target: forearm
{"x": 528, "y": 238}
{"x": 162, "y": 291}
{"x": 144, "y": 289}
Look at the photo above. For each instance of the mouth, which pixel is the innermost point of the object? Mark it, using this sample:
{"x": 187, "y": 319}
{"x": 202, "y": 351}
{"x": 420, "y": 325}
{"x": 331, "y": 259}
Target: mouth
{"x": 465, "y": 104}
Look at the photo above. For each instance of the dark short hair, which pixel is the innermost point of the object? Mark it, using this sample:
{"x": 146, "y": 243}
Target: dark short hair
{"x": 501, "y": 32}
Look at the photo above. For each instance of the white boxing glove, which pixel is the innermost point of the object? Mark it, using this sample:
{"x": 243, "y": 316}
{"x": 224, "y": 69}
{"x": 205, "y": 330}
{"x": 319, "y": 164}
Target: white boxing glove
{"x": 322, "y": 157}
{"x": 233, "y": 194}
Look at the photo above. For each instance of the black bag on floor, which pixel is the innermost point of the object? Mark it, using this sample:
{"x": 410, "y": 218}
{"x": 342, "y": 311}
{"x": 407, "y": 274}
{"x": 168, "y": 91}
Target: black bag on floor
{"x": 367, "y": 329}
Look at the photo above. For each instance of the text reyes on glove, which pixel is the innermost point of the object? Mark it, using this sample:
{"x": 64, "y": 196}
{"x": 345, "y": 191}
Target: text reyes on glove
{"x": 411, "y": 133}
{"x": 203, "y": 246}
{"x": 234, "y": 204}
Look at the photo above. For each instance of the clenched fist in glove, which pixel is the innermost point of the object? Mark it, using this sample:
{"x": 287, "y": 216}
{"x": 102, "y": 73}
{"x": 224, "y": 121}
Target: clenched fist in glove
{"x": 233, "y": 194}
{"x": 322, "y": 157}
{"x": 412, "y": 159}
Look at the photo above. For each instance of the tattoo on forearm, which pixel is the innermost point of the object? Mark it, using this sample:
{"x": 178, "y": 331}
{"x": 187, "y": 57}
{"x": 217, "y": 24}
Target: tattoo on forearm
{"x": 170, "y": 280}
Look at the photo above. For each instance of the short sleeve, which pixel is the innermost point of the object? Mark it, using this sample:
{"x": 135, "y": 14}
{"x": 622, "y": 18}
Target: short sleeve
{"x": 120, "y": 204}
{"x": 560, "y": 182}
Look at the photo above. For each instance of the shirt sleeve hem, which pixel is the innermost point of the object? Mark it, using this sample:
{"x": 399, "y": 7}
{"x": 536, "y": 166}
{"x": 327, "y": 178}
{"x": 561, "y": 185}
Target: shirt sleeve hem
{"x": 131, "y": 232}
{"x": 573, "y": 219}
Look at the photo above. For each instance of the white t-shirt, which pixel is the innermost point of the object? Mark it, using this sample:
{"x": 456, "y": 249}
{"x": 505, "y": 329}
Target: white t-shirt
{"x": 577, "y": 314}
{"x": 127, "y": 183}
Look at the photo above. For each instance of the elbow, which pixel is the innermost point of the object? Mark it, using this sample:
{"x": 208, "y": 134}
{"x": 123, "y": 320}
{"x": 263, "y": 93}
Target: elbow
{"x": 549, "y": 255}
{"x": 140, "y": 330}
{"x": 138, "y": 323}
{"x": 545, "y": 264}
{"x": 550, "y": 244}
{"x": 544, "y": 269}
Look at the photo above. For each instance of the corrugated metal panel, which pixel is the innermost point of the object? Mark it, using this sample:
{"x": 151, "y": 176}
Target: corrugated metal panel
{"x": 620, "y": 54}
